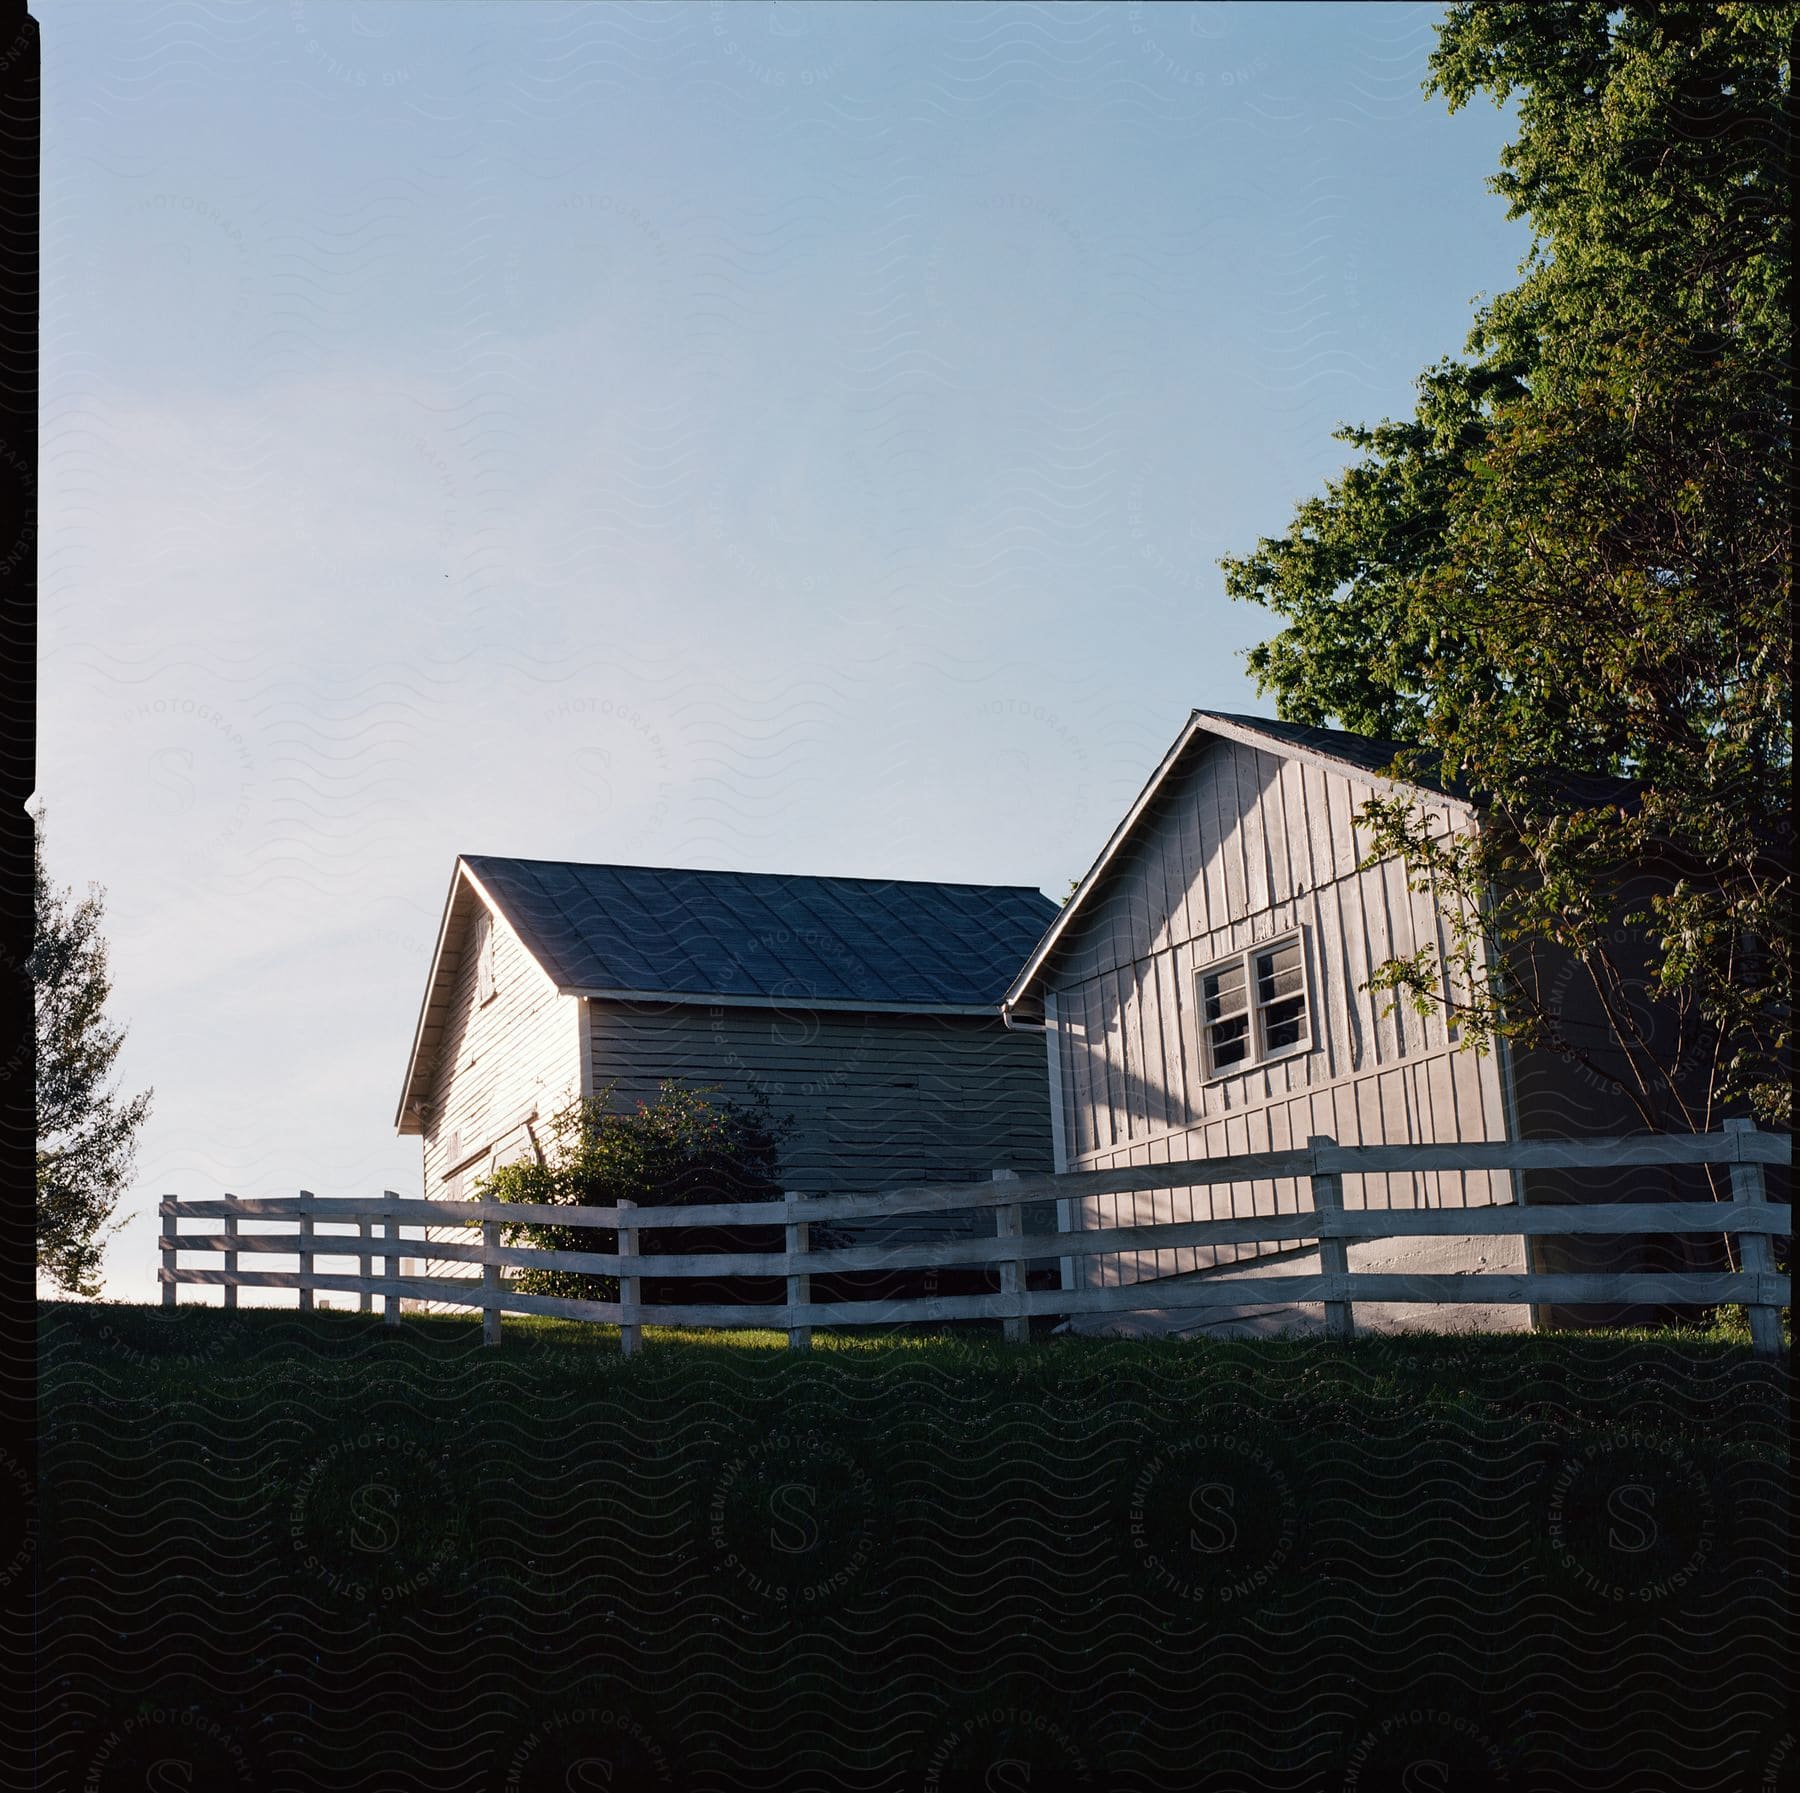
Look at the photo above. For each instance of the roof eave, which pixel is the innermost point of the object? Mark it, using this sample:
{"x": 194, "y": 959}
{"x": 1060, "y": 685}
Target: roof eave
{"x": 406, "y": 1121}
{"x": 1316, "y": 756}
{"x": 406, "y": 1111}
{"x": 844, "y": 1004}
{"x": 1047, "y": 945}
{"x": 1198, "y": 722}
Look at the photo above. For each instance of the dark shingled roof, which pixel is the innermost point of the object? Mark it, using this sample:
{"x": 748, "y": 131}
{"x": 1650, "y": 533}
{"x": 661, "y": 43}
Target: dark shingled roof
{"x": 1369, "y": 752}
{"x": 757, "y": 935}
{"x": 1372, "y": 754}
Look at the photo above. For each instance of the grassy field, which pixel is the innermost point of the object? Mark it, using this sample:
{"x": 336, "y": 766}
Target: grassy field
{"x": 294, "y": 1552}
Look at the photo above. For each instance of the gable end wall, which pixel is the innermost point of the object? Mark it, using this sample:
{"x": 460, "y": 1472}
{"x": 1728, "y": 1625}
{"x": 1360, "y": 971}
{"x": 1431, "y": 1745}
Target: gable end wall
{"x": 498, "y": 1061}
{"x": 1242, "y": 846}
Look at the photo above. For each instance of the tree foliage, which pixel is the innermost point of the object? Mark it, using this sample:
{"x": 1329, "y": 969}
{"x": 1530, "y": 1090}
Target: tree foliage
{"x": 686, "y": 1146}
{"x": 1576, "y": 553}
{"x": 86, "y": 1131}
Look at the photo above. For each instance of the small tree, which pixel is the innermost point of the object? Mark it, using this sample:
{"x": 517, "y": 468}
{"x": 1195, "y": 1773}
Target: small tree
{"x": 86, "y": 1131}
{"x": 687, "y": 1146}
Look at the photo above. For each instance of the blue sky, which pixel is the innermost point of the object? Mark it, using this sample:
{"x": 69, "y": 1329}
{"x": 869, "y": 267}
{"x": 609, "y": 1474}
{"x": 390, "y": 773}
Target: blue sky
{"x": 778, "y": 436}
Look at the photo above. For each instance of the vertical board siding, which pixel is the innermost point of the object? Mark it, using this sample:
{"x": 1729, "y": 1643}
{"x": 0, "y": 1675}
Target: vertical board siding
{"x": 1175, "y": 1066}
{"x": 1242, "y": 846}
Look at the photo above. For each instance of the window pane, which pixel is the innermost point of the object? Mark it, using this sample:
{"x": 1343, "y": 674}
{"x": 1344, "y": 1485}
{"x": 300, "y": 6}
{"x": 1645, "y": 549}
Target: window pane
{"x": 1284, "y": 1024}
{"x": 1228, "y": 1042}
{"x": 1223, "y": 991}
{"x": 1278, "y": 971}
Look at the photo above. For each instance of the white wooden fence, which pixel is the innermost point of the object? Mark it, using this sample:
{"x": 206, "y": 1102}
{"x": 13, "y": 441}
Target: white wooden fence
{"x": 1748, "y": 1217}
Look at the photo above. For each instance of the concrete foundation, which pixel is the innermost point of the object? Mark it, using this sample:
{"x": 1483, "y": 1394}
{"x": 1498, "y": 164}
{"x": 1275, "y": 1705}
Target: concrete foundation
{"x": 1458, "y": 1256}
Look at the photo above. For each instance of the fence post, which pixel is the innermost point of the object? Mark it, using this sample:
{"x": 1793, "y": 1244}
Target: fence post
{"x": 1334, "y": 1256}
{"x": 165, "y": 1211}
{"x": 306, "y": 1248}
{"x": 629, "y": 1329}
{"x": 490, "y": 1282}
{"x": 799, "y": 1284}
{"x": 365, "y": 1298}
{"x": 1754, "y": 1253}
{"x": 390, "y": 1263}
{"x": 1009, "y": 1223}
{"x": 231, "y": 1256}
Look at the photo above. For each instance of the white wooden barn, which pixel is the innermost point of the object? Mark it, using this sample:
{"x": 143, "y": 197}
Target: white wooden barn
{"x": 868, "y": 1009}
{"x": 1202, "y": 994}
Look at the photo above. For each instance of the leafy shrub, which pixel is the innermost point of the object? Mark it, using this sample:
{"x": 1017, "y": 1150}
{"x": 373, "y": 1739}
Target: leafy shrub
{"x": 686, "y": 1147}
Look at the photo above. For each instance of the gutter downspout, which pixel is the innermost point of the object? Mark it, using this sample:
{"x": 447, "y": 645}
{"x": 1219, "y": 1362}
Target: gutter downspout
{"x": 1059, "y": 1154}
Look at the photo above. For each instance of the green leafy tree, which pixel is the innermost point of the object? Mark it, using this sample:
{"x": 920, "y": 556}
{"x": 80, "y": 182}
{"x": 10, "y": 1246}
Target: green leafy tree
{"x": 686, "y": 1146}
{"x": 1576, "y": 553}
{"x": 86, "y": 1131}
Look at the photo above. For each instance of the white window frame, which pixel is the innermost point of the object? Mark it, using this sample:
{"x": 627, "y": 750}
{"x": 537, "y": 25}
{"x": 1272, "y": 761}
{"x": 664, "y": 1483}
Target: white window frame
{"x": 1245, "y": 958}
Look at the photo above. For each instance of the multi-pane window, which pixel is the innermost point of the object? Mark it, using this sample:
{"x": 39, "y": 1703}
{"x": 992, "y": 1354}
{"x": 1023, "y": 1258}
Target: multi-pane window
{"x": 1253, "y": 1006}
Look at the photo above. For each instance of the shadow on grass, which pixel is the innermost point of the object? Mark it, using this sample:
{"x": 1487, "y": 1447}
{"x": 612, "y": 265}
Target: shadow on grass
{"x": 343, "y": 1550}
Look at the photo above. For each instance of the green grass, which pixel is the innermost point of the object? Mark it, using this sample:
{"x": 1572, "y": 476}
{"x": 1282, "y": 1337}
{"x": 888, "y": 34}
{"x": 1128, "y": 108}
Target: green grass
{"x": 359, "y": 1555}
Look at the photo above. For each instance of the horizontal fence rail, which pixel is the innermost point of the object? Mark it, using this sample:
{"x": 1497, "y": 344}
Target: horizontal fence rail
{"x": 1748, "y": 1218}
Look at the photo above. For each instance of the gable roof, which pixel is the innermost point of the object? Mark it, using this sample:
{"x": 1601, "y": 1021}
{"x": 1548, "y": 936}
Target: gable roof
{"x": 1365, "y": 753}
{"x": 1366, "y": 756}
{"x": 1373, "y": 754}
{"x": 654, "y": 933}
{"x": 612, "y": 930}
